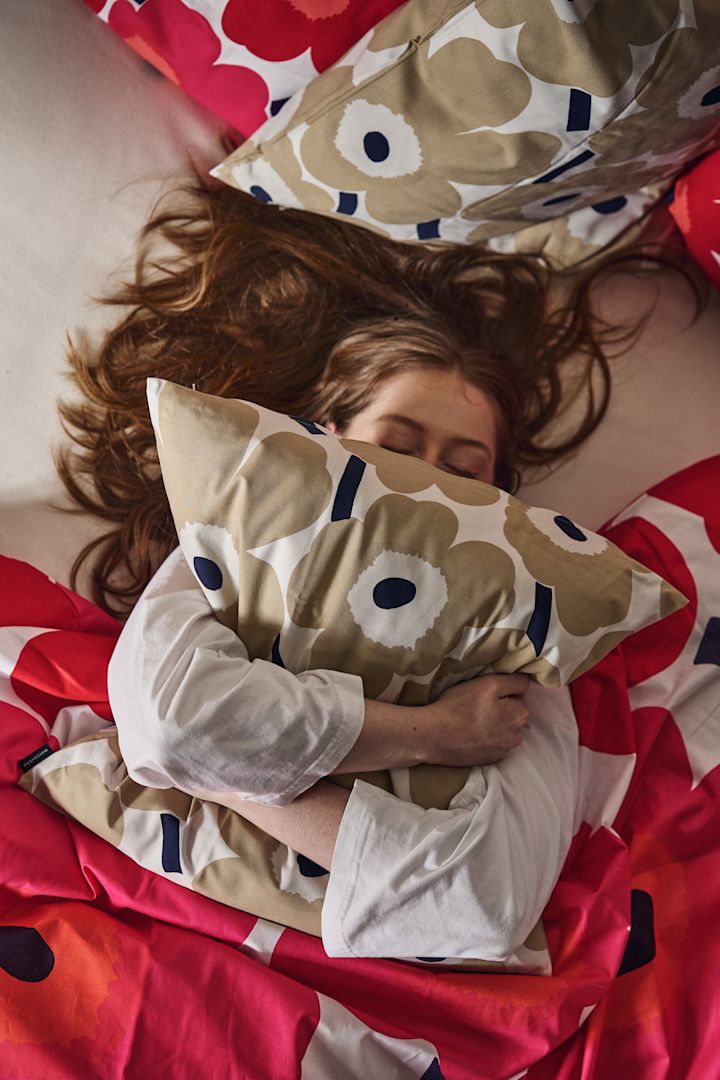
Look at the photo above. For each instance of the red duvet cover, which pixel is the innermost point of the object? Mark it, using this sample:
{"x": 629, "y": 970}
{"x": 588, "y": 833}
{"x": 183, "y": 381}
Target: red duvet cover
{"x": 108, "y": 971}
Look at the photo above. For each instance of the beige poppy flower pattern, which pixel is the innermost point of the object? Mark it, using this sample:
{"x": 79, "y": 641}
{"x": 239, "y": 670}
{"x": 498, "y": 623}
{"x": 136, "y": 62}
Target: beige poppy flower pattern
{"x": 591, "y": 581}
{"x": 218, "y": 540}
{"x": 480, "y": 121}
{"x": 204, "y": 847}
{"x": 602, "y": 28}
{"x": 392, "y": 593}
{"x": 326, "y": 553}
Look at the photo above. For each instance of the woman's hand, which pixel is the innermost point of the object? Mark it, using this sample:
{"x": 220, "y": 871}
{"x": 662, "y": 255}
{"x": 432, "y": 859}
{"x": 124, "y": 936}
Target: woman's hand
{"x": 477, "y": 722}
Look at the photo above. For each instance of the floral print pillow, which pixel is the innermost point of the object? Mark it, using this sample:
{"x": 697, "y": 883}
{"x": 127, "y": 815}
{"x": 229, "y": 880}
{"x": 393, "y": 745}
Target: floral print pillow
{"x": 242, "y": 61}
{"x": 324, "y": 552}
{"x": 538, "y": 126}
{"x": 696, "y": 210}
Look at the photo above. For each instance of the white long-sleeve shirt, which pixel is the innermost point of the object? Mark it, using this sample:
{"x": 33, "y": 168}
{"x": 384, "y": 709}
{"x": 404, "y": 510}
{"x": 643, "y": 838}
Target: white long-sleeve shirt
{"x": 194, "y": 712}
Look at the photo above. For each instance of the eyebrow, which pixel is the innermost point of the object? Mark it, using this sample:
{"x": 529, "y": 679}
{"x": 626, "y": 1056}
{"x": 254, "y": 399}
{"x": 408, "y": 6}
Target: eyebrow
{"x": 478, "y": 443}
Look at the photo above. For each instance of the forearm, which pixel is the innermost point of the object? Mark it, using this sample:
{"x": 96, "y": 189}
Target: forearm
{"x": 392, "y": 737}
{"x": 309, "y": 824}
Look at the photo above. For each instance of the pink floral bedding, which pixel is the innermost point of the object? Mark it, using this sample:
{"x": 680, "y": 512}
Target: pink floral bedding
{"x": 242, "y": 60}
{"x": 109, "y": 971}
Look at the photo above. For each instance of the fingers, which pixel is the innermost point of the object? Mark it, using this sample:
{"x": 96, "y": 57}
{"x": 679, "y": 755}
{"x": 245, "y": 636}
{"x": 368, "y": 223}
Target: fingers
{"x": 511, "y": 685}
{"x": 515, "y": 711}
{"x": 489, "y": 687}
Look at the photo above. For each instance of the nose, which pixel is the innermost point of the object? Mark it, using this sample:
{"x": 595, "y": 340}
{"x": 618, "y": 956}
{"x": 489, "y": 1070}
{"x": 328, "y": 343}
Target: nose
{"x": 431, "y": 456}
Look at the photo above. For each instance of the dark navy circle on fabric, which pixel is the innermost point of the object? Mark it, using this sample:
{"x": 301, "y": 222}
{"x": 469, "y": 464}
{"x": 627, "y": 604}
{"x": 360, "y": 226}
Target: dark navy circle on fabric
{"x": 429, "y": 230}
{"x": 394, "y": 592}
{"x": 308, "y": 868}
{"x": 277, "y": 104}
{"x": 347, "y": 202}
{"x": 610, "y": 206}
{"x": 640, "y": 947}
{"x": 208, "y": 572}
{"x": 709, "y": 648}
{"x": 260, "y": 193}
{"x": 376, "y": 146}
{"x": 433, "y": 1072}
{"x": 24, "y": 954}
{"x": 561, "y": 199}
{"x": 712, "y": 97}
{"x": 569, "y": 528}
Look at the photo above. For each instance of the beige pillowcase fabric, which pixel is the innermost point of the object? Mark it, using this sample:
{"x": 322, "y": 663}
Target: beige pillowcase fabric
{"x": 322, "y": 552}
{"x": 536, "y": 126}
{"x": 222, "y": 856}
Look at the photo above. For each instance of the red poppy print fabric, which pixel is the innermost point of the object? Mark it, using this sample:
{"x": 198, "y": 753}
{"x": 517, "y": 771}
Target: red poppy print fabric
{"x": 696, "y": 209}
{"x": 242, "y": 60}
{"x": 110, "y": 971}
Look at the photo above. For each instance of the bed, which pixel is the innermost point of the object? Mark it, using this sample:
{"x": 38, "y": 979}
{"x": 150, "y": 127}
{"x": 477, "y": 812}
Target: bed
{"x": 109, "y": 970}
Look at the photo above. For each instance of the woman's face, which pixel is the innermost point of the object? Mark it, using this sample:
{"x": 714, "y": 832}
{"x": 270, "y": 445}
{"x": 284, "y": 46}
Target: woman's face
{"x": 436, "y": 416}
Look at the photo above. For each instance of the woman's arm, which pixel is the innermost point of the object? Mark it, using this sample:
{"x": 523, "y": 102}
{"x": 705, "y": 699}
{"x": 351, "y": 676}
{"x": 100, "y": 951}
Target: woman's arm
{"x": 471, "y": 881}
{"x": 476, "y": 722}
{"x": 192, "y": 711}
{"x": 310, "y": 824}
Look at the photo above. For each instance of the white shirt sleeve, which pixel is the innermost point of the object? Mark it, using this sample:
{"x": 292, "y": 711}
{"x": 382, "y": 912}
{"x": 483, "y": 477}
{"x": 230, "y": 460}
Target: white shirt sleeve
{"x": 194, "y": 712}
{"x": 467, "y": 882}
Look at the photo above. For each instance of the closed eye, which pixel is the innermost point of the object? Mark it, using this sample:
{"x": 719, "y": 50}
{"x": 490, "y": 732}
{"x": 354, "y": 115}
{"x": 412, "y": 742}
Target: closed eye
{"x": 398, "y": 450}
{"x": 460, "y": 472}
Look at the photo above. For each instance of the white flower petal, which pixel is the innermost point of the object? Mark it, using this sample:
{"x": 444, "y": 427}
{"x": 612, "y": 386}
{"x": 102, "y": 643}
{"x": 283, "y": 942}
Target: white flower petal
{"x": 565, "y": 533}
{"x": 213, "y": 558}
{"x": 396, "y": 600}
{"x": 378, "y": 141}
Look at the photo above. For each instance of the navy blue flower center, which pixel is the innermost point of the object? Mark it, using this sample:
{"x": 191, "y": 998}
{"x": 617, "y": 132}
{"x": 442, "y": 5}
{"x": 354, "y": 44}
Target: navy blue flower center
{"x": 208, "y": 572}
{"x": 569, "y": 528}
{"x": 260, "y": 193}
{"x": 24, "y": 954}
{"x": 308, "y": 868}
{"x": 610, "y": 206}
{"x": 394, "y": 592}
{"x": 376, "y": 146}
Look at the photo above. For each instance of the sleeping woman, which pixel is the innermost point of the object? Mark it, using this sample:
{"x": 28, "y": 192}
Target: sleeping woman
{"x": 450, "y": 354}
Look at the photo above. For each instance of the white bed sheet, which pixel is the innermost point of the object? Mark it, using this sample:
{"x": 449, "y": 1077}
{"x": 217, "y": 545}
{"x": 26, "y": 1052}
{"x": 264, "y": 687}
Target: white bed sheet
{"x": 89, "y": 138}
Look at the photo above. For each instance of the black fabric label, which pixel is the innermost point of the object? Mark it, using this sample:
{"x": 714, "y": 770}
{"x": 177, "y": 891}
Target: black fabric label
{"x": 36, "y": 757}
